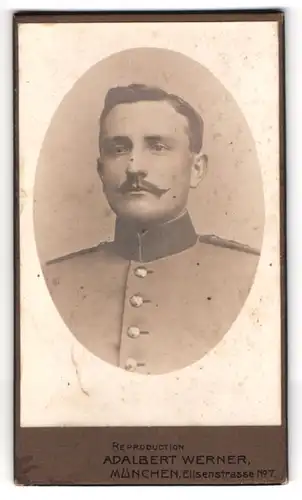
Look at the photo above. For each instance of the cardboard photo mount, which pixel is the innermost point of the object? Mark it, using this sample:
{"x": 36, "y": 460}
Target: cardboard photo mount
{"x": 149, "y": 455}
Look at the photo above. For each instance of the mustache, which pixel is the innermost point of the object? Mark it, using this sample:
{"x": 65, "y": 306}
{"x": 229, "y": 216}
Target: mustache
{"x": 138, "y": 184}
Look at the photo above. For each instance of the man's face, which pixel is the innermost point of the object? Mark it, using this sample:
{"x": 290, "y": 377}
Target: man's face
{"x": 146, "y": 164}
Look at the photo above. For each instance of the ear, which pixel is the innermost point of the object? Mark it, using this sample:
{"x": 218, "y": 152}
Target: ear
{"x": 199, "y": 169}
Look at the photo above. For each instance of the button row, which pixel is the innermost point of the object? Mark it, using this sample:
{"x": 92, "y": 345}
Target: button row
{"x": 133, "y": 331}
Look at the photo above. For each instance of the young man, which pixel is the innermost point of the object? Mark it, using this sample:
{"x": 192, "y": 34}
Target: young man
{"x": 159, "y": 296}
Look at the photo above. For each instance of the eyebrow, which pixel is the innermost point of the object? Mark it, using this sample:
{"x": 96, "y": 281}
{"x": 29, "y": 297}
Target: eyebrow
{"x": 116, "y": 139}
{"x": 159, "y": 138}
{"x": 124, "y": 139}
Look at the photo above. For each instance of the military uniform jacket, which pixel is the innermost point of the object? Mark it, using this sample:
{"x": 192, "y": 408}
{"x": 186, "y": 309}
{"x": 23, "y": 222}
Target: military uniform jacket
{"x": 152, "y": 301}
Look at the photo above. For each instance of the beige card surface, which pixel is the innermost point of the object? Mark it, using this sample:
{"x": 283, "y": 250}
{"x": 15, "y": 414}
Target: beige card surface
{"x": 149, "y": 185}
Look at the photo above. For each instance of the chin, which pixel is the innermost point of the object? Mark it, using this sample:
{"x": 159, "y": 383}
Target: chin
{"x": 144, "y": 212}
{"x": 147, "y": 217}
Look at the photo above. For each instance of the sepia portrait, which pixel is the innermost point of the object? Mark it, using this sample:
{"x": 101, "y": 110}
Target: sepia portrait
{"x": 149, "y": 224}
{"x": 159, "y": 296}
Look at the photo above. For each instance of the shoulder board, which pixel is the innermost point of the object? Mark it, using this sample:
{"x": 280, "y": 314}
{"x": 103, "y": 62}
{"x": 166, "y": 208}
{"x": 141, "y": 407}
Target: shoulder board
{"x": 84, "y": 251}
{"x": 212, "y": 239}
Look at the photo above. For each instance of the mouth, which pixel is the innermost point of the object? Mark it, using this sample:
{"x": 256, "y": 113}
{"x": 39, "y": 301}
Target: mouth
{"x": 135, "y": 194}
{"x": 136, "y": 190}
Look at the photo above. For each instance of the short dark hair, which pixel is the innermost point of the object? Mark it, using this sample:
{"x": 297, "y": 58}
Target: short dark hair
{"x": 137, "y": 92}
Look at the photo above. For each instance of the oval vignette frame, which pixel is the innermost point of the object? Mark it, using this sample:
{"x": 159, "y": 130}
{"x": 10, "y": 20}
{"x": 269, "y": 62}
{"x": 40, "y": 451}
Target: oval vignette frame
{"x": 70, "y": 211}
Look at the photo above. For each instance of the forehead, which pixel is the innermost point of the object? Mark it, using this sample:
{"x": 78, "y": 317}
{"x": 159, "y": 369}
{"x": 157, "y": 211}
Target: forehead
{"x": 145, "y": 118}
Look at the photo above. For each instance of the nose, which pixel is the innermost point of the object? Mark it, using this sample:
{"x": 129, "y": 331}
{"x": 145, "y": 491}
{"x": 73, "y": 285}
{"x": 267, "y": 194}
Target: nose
{"x": 136, "y": 165}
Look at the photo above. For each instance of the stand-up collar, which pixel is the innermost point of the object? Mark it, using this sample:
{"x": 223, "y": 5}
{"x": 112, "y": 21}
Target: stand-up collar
{"x": 158, "y": 241}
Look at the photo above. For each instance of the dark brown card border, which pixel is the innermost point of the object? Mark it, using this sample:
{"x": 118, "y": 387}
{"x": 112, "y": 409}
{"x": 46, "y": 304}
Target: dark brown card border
{"x": 50, "y": 456}
{"x": 144, "y": 16}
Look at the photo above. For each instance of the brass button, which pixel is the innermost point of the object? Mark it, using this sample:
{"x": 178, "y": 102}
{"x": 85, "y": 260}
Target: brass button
{"x": 133, "y": 332}
{"x": 130, "y": 365}
{"x": 136, "y": 300}
{"x": 141, "y": 272}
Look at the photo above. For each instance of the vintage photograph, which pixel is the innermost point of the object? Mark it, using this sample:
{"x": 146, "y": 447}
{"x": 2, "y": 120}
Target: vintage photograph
{"x": 149, "y": 224}
{"x": 160, "y": 295}
{"x": 150, "y": 344}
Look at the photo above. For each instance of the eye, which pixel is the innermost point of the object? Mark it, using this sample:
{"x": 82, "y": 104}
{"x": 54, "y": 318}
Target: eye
{"x": 120, "y": 149}
{"x": 113, "y": 149}
{"x": 117, "y": 146}
{"x": 159, "y": 147}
